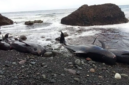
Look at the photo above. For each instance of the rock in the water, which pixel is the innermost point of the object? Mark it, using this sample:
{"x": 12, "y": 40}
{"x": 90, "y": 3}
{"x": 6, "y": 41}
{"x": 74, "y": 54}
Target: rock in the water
{"x": 22, "y": 37}
{"x": 117, "y": 76}
{"x": 65, "y": 34}
{"x": 29, "y": 23}
{"x": 32, "y": 22}
{"x": 5, "y": 21}
{"x": 95, "y": 15}
{"x": 57, "y": 39}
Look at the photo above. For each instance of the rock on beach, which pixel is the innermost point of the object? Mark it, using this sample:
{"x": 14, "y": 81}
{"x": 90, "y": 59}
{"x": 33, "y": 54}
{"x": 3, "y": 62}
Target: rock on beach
{"x": 5, "y": 21}
{"x": 95, "y": 15}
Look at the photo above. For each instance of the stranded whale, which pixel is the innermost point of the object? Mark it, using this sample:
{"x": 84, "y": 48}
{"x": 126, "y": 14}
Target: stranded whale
{"x": 94, "y": 52}
{"x": 7, "y": 43}
{"x": 28, "y": 47}
{"x": 122, "y": 56}
{"x": 4, "y": 45}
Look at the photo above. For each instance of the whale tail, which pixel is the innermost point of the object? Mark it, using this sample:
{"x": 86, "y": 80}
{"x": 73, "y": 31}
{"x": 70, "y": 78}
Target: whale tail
{"x": 94, "y": 41}
{"x": 62, "y": 38}
{"x": 5, "y": 38}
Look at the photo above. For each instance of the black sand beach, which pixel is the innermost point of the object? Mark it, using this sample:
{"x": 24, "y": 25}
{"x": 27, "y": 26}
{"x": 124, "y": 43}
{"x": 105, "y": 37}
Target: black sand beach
{"x": 64, "y": 68}
{"x": 26, "y": 69}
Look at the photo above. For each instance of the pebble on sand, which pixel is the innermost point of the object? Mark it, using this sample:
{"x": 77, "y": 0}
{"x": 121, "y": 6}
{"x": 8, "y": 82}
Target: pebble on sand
{"x": 117, "y": 76}
{"x": 92, "y": 70}
{"x": 77, "y": 61}
{"x": 77, "y": 79}
{"x": 22, "y": 61}
{"x": 70, "y": 70}
{"x": 48, "y": 54}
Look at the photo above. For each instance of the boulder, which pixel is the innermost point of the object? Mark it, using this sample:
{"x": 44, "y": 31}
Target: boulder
{"x": 95, "y": 15}
{"x": 5, "y": 21}
{"x": 22, "y": 37}
{"x": 32, "y": 22}
{"x": 29, "y": 23}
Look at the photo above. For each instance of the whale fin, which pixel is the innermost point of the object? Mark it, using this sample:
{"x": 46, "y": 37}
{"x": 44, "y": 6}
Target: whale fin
{"x": 62, "y": 38}
{"x": 103, "y": 44}
{"x": 6, "y": 36}
{"x": 94, "y": 40}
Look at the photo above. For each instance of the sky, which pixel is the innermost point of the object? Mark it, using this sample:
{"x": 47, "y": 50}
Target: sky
{"x": 32, "y": 5}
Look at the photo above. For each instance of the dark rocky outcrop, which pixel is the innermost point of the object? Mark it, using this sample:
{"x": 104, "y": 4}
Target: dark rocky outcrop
{"x": 32, "y": 22}
{"x": 5, "y": 21}
{"x": 29, "y": 23}
{"x": 22, "y": 37}
{"x": 95, "y": 15}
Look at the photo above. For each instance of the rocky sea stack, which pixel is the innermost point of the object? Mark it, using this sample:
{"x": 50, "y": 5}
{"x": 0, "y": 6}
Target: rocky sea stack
{"x": 32, "y": 22}
{"x": 95, "y": 15}
{"x": 5, "y": 21}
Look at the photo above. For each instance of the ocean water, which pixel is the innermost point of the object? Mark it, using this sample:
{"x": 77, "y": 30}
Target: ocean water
{"x": 46, "y": 33}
